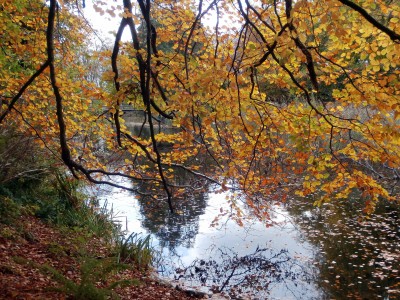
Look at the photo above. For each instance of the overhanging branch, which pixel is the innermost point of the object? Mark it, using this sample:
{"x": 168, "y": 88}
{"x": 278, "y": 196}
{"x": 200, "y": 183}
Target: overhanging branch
{"x": 393, "y": 35}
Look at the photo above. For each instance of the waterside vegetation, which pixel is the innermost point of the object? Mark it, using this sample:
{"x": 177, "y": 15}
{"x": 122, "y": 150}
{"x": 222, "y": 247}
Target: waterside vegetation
{"x": 56, "y": 244}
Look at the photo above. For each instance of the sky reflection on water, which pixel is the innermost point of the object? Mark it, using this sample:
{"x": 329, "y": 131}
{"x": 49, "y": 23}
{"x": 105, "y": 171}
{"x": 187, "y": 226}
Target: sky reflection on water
{"x": 228, "y": 243}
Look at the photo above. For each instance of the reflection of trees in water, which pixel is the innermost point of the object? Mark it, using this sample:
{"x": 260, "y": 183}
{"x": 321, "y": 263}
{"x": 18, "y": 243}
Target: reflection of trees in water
{"x": 360, "y": 257}
{"x": 250, "y": 275}
{"x": 189, "y": 196}
{"x": 175, "y": 229}
{"x": 181, "y": 227}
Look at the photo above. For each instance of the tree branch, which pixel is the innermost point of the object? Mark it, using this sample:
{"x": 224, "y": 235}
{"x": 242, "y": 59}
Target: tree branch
{"x": 393, "y": 35}
{"x": 23, "y": 88}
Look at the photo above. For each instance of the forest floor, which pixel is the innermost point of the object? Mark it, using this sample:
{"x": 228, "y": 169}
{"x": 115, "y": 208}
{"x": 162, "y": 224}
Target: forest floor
{"x": 41, "y": 261}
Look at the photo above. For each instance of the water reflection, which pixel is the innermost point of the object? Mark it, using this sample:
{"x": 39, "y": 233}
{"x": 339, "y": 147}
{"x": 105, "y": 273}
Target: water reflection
{"x": 173, "y": 230}
{"x": 251, "y": 275}
{"x": 253, "y": 260}
{"x": 262, "y": 260}
{"x": 180, "y": 228}
{"x": 310, "y": 253}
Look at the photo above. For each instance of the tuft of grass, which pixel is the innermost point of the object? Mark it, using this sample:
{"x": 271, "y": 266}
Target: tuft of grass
{"x": 135, "y": 249}
{"x": 9, "y": 210}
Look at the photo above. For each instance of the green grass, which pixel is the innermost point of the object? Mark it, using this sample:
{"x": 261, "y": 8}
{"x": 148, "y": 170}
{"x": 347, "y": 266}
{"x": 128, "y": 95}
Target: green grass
{"x": 135, "y": 249}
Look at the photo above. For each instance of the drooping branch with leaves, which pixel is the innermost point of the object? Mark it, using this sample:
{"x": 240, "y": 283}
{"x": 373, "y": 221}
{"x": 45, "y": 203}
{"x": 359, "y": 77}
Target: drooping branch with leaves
{"x": 264, "y": 98}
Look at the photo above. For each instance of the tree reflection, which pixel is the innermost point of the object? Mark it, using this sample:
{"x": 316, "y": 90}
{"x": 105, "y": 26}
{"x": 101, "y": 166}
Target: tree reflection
{"x": 181, "y": 227}
{"x": 175, "y": 229}
{"x": 250, "y": 275}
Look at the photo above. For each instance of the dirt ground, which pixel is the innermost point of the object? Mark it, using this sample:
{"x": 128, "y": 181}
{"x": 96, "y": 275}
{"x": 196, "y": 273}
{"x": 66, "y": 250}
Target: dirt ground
{"x": 34, "y": 244}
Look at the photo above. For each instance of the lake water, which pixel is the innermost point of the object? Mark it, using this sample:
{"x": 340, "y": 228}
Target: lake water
{"x": 302, "y": 253}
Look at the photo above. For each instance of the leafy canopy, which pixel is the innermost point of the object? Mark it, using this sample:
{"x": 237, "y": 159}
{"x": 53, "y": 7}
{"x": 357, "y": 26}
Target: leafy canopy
{"x": 262, "y": 97}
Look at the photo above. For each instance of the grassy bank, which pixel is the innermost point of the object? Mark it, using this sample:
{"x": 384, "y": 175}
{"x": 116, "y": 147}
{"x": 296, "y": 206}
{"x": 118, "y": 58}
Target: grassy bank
{"x": 55, "y": 244}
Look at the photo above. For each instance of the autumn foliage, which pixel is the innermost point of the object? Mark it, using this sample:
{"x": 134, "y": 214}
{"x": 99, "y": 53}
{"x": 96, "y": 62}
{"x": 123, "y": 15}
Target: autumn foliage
{"x": 265, "y": 97}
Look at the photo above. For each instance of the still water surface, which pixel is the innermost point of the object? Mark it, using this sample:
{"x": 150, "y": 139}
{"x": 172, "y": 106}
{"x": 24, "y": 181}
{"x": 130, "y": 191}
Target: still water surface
{"x": 303, "y": 253}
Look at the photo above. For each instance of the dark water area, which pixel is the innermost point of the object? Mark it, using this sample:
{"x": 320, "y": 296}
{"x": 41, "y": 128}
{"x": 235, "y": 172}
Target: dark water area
{"x": 358, "y": 256}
